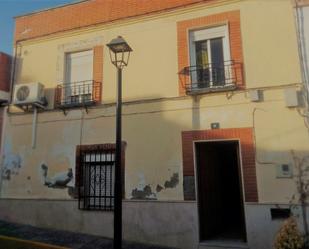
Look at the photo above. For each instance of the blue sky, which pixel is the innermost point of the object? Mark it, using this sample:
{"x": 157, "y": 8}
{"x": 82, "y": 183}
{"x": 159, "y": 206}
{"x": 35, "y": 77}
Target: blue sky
{"x": 11, "y": 8}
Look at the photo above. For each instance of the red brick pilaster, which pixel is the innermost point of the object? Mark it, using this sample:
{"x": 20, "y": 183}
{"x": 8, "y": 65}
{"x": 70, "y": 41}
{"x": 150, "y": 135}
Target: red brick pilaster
{"x": 97, "y": 73}
{"x": 245, "y": 137}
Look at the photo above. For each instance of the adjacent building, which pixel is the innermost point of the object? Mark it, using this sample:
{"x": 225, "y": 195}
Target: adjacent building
{"x": 5, "y": 76}
{"x": 5, "y": 80}
{"x": 214, "y": 129}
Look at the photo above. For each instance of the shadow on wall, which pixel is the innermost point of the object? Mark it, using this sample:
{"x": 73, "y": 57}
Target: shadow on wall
{"x": 63, "y": 177}
{"x": 153, "y": 128}
{"x": 159, "y": 131}
{"x": 49, "y": 93}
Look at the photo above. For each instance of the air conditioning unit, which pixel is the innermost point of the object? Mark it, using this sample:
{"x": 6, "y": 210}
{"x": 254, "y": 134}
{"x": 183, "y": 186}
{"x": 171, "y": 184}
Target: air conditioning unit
{"x": 31, "y": 93}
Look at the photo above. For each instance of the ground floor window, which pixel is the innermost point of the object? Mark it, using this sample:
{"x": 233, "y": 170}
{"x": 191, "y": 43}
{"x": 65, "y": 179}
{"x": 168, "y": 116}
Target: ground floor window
{"x": 96, "y": 177}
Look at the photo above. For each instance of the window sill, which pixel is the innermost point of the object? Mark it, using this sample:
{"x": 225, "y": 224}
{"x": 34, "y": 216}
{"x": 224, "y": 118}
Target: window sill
{"x": 76, "y": 104}
{"x": 197, "y": 91}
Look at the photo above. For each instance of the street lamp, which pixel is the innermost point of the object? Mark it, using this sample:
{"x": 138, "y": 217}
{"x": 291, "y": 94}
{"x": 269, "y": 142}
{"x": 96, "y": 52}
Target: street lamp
{"x": 119, "y": 51}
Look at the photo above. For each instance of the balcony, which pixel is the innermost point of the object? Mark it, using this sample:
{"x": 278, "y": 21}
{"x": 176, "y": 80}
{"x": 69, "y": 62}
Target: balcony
{"x": 78, "y": 94}
{"x": 211, "y": 77}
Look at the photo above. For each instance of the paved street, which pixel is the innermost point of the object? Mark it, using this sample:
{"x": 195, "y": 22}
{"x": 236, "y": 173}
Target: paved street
{"x": 63, "y": 238}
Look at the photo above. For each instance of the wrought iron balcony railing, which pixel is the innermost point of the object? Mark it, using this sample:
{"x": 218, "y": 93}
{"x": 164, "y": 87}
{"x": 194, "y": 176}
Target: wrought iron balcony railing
{"x": 83, "y": 93}
{"x": 211, "y": 77}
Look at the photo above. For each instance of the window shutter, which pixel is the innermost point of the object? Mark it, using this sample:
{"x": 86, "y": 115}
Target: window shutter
{"x": 79, "y": 66}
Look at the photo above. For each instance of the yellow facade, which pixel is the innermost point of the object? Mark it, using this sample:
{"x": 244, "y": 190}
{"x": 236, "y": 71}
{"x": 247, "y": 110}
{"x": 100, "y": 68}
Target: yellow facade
{"x": 154, "y": 115}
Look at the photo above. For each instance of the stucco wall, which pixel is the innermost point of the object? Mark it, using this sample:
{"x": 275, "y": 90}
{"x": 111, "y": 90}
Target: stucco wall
{"x": 152, "y": 70}
{"x": 152, "y": 129}
{"x": 154, "y": 117}
{"x": 153, "y": 135}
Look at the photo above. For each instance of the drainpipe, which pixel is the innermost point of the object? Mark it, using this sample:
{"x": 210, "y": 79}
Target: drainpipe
{"x": 299, "y": 17}
{"x": 12, "y": 82}
{"x": 303, "y": 56}
{"x": 34, "y": 126}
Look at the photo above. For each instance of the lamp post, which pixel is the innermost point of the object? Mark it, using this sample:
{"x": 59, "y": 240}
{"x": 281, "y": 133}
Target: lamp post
{"x": 119, "y": 52}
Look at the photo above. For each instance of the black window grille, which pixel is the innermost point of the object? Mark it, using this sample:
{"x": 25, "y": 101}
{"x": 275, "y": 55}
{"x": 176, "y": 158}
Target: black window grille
{"x": 211, "y": 77}
{"x": 96, "y": 184}
{"x": 75, "y": 94}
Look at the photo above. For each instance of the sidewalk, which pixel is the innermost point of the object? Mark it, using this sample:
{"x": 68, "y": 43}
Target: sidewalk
{"x": 64, "y": 238}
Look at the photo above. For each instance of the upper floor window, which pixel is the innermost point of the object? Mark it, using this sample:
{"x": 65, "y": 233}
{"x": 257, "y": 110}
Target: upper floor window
{"x": 78, "y": 86}
{"x": 210, "y": 64}
{"x": 79, "y": 74}
{"x": 82, "y": 79}
{"x": 79, "y": 66}
{"x": 210, "y": 58}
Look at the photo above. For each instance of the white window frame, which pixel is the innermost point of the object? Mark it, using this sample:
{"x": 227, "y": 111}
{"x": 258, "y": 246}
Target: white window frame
{"x": 71, "y": 89}
{"x": 208, "y": 34}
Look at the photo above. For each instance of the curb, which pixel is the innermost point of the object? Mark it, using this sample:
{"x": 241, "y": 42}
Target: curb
{"x": 31, "y": 243}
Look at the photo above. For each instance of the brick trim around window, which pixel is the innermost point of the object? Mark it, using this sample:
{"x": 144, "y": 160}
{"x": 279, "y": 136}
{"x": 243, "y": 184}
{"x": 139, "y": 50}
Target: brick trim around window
{"x": 232, "y": 18}
{"x": 96, "y": 147}
{"x": 245, "y": 137}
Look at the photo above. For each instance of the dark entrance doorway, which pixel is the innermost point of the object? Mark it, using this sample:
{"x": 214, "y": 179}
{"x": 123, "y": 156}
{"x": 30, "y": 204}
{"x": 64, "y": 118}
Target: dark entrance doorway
{"x": 220, "y": 201}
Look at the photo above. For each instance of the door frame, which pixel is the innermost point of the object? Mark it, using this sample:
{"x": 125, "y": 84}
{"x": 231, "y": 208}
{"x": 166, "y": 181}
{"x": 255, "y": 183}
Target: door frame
{"x": 240, "y": 171}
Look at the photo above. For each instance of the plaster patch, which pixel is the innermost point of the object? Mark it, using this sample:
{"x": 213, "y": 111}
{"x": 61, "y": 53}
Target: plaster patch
{"x": 75, "y": 46}
{"x": 141, "y": 182}
{"x": 73, "y": 192}
{"x": 146, "y": 193}
{"x": 26, "y": 31}
{"x": 64, "y": 152}
{"x": 159, "y": 188}
{"x": 59, "y": 180}
{"x": 173, "y": 182}
{"x": 143, "y": 191}
{"x": 189, "y": 187}
{"x": 12, "y": 162}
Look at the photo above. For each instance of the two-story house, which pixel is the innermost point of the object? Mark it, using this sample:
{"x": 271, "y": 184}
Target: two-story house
{"x": 213, "y": 128}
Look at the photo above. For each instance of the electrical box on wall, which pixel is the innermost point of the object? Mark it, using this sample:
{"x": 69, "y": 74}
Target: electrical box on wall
{"x": 284, "y": 170}
{"x": 215, "y": 125}
{"x": 291, "y": 97}
{"x": 256, "y": 95}
{"x": 280, "y": 213}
